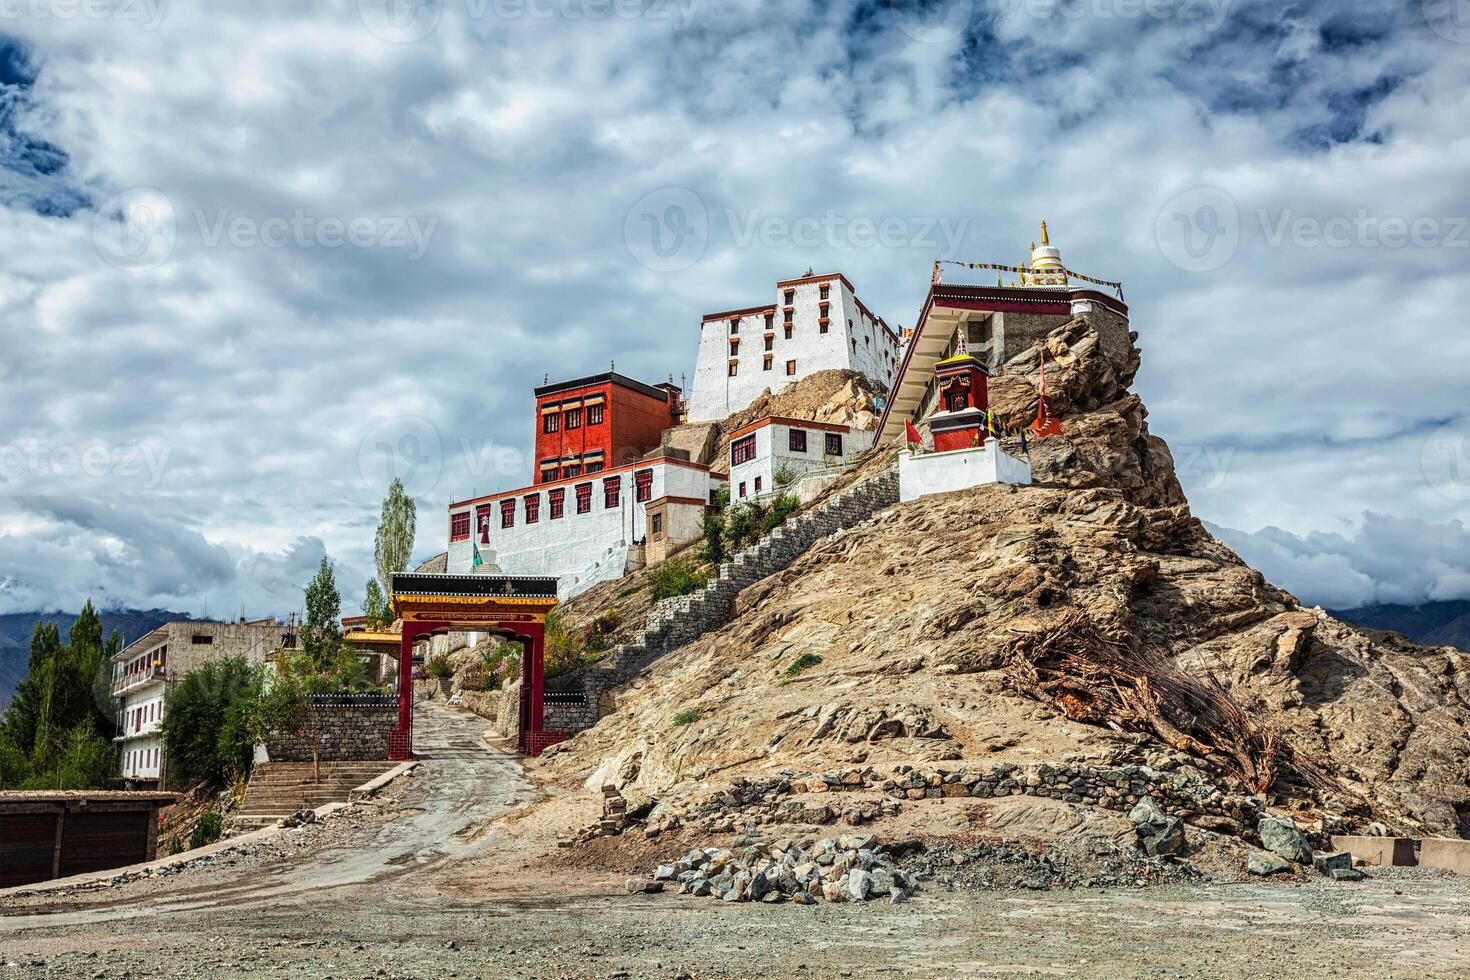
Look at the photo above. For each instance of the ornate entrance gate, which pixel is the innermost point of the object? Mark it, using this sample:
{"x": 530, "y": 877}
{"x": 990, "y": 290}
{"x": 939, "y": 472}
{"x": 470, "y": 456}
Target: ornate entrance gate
{"x": 510, "y": 606}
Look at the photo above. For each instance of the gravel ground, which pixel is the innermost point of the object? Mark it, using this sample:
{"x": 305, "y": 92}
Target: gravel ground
{"x": 416, "y": 887}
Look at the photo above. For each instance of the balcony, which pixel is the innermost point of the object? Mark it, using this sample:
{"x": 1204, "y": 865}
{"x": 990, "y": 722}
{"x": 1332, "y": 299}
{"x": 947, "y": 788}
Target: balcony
{"x": 131, "y": 681}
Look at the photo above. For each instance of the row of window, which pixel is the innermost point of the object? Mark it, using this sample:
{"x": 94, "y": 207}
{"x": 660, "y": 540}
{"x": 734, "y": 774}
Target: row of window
{"x": 743, "y": 450}
{"x": 459, "y": 524}
{"x": 550, "y": 474}
{"x": 765, "y": 366}
{"x": 147, "y": 713}
{"x": 141, "y": 665}
{"x": 141, "y": 759}
{"x": 570, "y": 419}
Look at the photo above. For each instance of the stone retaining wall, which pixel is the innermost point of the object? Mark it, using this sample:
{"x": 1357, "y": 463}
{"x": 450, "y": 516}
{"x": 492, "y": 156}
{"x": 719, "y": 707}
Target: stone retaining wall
{"x": 349, "y": 727}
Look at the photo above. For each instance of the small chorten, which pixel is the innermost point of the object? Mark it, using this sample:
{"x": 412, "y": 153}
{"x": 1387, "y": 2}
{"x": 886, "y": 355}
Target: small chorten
{"x": 1045, "y": 263}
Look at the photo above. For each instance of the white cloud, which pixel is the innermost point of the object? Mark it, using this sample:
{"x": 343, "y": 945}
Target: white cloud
{"x": 269, "y": 373}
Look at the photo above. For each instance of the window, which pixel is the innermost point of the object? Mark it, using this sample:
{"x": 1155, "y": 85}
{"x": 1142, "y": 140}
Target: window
{"x": 823, "y": 324}
{"x": 570, "y": 471}
{"x": 594, "y": 414}
{"x": 757, "y": 485}
{"x": 574, "y": 418}
{"x": 734, "y": 325}
{"x": 790, "y": 367}
{"x": 825, "y": 288}
{"x": 459, "y": 526}
{"x": 788, "y": 331}
{"x": 734, "y": 369}
{"x": 766, "y": 362}
{"x": 786, "y": 319}
{"x": 558, "y": 498}
{"x": 643, "y": 486}
{"x": 533, "y": 508}
{"x": 734, "y": 348}
{"x": 508, "y": 513}
{"x": 610, "y": 488}
{"x": 742, "y": 488}
{"x": 790, "y": 295}
{"x": 834, "y": 444}
{"x": 201, "y": 639}
{"x": 658, "y": 525}
{"x": 796, "y": 440}
{"x": 549, "y": 471}
{"x": 742, "y": 450}
{"x": 596, "y": 467}
{"x": 551, "y": 422}
{"x": 770, "y": 343}
{"x": 482, "y": 521}
{"x": 584, "y": 498}
{"x": 955, "y": 401}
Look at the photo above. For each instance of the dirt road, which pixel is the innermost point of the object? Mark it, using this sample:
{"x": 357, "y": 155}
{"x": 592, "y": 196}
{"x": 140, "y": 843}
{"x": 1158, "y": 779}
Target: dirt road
{"x": 377, "y": 900}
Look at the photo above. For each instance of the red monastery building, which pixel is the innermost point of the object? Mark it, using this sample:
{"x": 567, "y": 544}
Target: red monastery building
{"x": 603, "y": 485}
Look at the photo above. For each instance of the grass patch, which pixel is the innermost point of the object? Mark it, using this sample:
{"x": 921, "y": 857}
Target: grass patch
{"x": 802, "y": 663}
{"x": 688, "y": 717}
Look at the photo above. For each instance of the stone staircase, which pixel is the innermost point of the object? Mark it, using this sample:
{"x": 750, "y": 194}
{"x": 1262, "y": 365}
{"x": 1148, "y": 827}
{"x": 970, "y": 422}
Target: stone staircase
{"x": 279, "y": 789}
{"x": 683, "y": 619}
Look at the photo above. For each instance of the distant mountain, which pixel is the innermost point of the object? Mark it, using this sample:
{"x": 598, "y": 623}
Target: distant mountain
{"x": 16, "y": 629}
{"x": 1438, "y": 623}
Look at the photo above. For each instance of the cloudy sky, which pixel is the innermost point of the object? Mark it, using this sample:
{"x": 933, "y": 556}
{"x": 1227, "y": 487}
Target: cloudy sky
{"x": 258, "y": 258}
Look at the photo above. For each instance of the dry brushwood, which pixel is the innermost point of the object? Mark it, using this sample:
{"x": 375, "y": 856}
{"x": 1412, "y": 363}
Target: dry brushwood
{"x": 1095, "y": 678}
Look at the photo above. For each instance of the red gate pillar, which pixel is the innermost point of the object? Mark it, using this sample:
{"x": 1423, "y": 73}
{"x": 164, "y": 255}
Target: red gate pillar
{"x": 536, "y": 649}
{"x": 400, "y": 741}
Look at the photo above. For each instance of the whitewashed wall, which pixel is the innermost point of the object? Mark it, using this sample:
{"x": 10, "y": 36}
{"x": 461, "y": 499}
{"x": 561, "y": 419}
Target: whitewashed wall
{"x": 773, "y": 453}
{"x": 140, "y": 764}
{"x": 576, "y": 547}
{"x": 715, "y": 394}
{"x": 927, "y": 473}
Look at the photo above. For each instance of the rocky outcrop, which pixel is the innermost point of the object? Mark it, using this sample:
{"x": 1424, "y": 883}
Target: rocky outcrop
{"x": 907, "y": 618}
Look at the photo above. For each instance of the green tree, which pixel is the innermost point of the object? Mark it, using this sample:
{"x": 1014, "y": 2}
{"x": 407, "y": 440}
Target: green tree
{"x": 205, "y": 730}
{"x": 321, "y": 639}
{"x": 393, "y": 544}
{"x": 375, "y": 606}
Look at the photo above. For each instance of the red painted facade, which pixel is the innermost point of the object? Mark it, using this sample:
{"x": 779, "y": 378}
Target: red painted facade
{"x": 963, "y": 391}
{"x": 599, "y": 423}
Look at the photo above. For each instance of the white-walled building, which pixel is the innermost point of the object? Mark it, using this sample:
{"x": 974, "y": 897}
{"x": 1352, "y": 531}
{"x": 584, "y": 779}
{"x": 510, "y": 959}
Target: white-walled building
{"x": 772, "y": 453}
{"x": 816, "y": 324}
{"x": 147, "y": 669}
{"x": 580, "y": 529}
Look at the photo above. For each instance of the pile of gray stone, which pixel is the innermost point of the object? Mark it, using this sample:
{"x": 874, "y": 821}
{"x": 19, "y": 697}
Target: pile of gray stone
{"x": 850, "y": 868}
{"x": 1287, "y": 849}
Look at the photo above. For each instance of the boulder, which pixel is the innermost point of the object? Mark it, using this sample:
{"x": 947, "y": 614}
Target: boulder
{"x": 1329, "y": 861}
{"x": 1159, "y": 834}
{"x": 1346, "y": 874}
{"x": 642, "y": 886}
{"x": 1281, "y": 837}
{"x": 859, "y": 884}
{"x": 1265, "y": 864}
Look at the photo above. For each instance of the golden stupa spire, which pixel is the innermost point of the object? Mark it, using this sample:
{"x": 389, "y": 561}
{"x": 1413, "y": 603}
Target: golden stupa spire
{"x": 1045, "y": 240}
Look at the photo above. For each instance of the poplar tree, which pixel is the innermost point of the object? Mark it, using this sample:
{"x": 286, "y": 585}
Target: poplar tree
{"x": 393, "y": 545}
{"x": 375, "y": 606}
{"x": 322, "y": 637}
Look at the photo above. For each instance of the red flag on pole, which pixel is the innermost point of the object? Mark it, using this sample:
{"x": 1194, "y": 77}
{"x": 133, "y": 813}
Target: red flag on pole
{"x": 912, "y": 434}
{"x": 1046, "y": 424}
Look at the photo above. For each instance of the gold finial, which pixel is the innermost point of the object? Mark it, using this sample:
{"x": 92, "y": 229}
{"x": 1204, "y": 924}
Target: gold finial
{"x": 1045, "y": 240}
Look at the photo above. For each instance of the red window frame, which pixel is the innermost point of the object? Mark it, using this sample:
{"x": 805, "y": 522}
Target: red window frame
{"x": 796, "y": 440}
{"x": 508, "y": 512}
{"x": 834, "y": 444}
{"x": 742, "y": 450}
{"x": 533, "y": 507}
{"x": 459, "y": 526}
{"x": 643, "y": 486}
{"x": 611, "y": 487}
{"x": 584, "y": 498}
{"x": 790, "y": 368}
{"x": 742, "y": 488}
{"x": 594, "y": 414}
{"x": 574, "y": 418}
{"x": 558, "y": 498}
{"x": 551, "y": 422}
{"x": 757, "y": 486}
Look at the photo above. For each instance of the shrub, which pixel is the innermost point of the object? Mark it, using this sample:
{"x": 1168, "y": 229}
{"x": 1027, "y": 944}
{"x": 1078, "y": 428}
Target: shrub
{"x": 438, "y": 667}
{"x": 688, "y": 717}
{"x": 742, "y": 525}
{"x": 715, "y": 551}
{"x": 804, "y": 662}
{"x": 206, "y": 727}
{"x": 677, "y": 577}
{"x": 780, "y": 509}
{"x": 503, "y": 663}
{"x": 207, "y": 830}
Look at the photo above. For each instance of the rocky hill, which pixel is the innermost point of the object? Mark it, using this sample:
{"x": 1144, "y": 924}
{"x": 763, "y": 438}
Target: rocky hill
{"x": 901, "y": 643}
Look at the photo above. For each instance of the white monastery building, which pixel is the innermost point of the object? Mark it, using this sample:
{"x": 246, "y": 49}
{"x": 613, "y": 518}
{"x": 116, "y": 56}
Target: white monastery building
{"x": 772, "y": 453}
{"x": 816, "y": 324}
